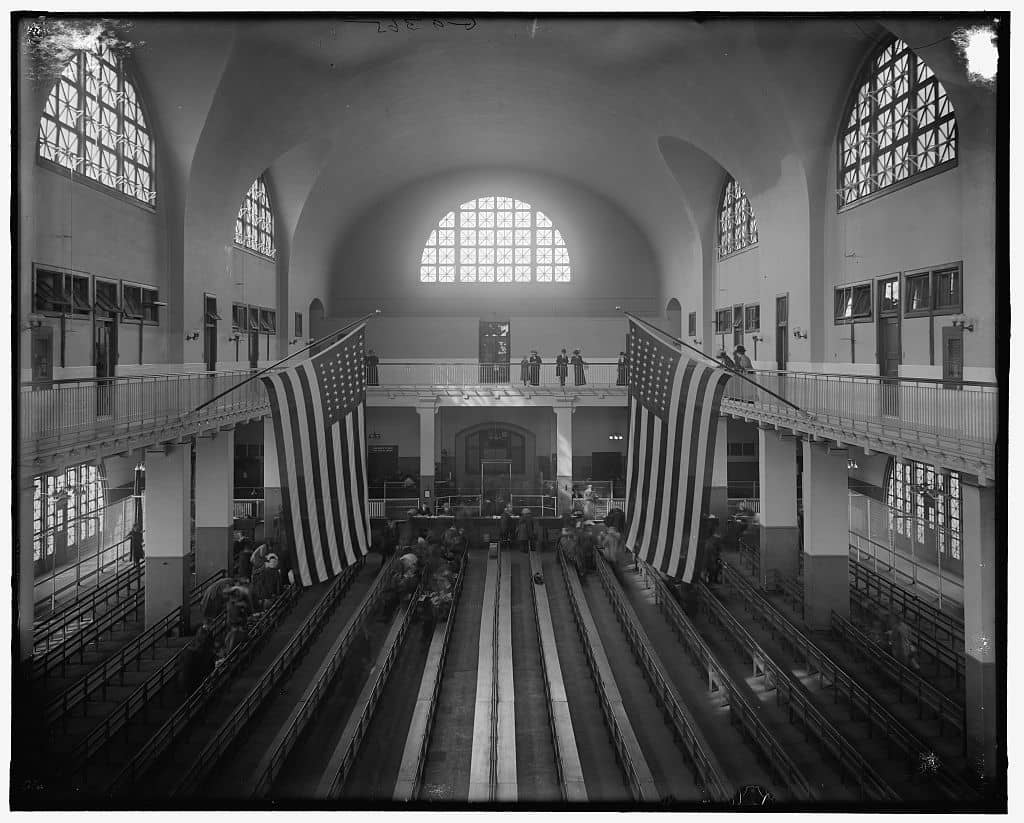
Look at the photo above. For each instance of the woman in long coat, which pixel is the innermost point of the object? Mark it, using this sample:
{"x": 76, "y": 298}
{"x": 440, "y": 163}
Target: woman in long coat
{"x": 622, "y": 378}
{"x": 579, "y": 365}
{"x": 524, "y": 369}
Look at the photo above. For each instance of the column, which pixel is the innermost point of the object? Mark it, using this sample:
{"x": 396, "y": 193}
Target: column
{"x": 25, "y": 570}
{"x": 563, "y": 456}
{"x": 779, "y": 530}
{"x": 426, "y": 414}
{"x": 271, "y": 477}
{"x": 826, "y": 534}
{"x": 167, "y": 531}
{"x": 719, "y": 500}
{"x": 982, "y": 693}
{"x": 215, "y": 517}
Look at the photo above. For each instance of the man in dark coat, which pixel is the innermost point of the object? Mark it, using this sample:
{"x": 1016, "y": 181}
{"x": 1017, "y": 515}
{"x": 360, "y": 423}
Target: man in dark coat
{"x": 508, "y": 527}
{"x": 138, "y": 553}
{"x": 578, "y": 366}
{"x": 622, "y": 377}
{"x": 524, "y": 369}
{"x": 526, "y": 532}
{"x": 535, "y": 364}
{"x": 562, "y": 367}
{"x": 197, "y": 659}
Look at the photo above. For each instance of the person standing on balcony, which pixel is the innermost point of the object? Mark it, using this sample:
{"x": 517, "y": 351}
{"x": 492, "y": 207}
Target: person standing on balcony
{"x": 524, "y": 369}
{"x": 138, "y": 553}
{"x": 741, "y": 360}
{"x": 578, "y": 366}
{"x": 622, "y": 375}
{"x": 535, "y": 363}
{"x": 562, "y": 368}
{"x": 371, "y": 360}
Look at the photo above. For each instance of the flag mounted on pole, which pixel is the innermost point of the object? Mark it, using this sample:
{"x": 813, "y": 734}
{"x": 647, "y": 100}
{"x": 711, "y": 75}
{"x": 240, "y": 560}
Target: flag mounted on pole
{"x": 319, "y": 410}
{"x": 674, "y": 402}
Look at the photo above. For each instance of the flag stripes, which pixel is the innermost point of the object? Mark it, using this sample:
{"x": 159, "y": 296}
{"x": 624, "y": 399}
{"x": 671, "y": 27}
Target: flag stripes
{"x": 318, "y": 413}
{"x": 674, "y": 402}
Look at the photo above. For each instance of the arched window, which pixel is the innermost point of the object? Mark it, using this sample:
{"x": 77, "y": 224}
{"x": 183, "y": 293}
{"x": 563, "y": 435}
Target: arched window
{"x": 924, "y": 508}
{"x": 93, "y": 124}
{"x": 900, "y": 125}
{"x": 737, "y": 226}
{"x": 495, "y": 240}
{"x": 254, "y": 226}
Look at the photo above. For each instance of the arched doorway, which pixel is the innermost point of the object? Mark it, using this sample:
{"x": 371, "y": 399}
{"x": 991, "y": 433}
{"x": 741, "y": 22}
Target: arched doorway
{"x": 674, "y": 315}
{"x": 316, "y": 319}
{"x": 498, "y": 458}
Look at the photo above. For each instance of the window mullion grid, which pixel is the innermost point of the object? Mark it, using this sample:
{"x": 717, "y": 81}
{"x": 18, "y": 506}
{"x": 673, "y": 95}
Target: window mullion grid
{"x": 83, "y": 97}
{"x": 119, "y": 138}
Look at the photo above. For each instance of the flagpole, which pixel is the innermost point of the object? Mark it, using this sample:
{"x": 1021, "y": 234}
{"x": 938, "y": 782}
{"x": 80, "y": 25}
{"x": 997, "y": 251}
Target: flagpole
{"x": 252, "y": 377}
{"x": 675, "y": 339}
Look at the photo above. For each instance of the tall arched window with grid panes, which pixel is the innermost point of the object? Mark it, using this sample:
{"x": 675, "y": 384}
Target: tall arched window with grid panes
{"x": 93, "y": 124}
{"x": 924, "y": 514}
{"x": 900, "y": 125}
{"x": 495, "y": 239}
{"x": 737, "y": 226}
{"x": 254, "y": 225}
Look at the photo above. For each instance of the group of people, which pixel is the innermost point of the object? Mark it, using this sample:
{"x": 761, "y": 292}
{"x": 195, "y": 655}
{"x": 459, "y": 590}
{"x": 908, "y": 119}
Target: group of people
{"x": 429, "y": 560}
{"x": 738, "y": 362}
{"x": 529, "y": 368}
{"x": 258, "y": 580}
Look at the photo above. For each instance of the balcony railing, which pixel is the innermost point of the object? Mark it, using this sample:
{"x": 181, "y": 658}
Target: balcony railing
{"x": 965, "y": 413}
{"x": 598, "y": 373}
{"x": 66, "y": 412}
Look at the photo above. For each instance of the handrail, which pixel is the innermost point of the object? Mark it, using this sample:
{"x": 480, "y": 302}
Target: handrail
{"x": 344, "y": 755}
{"x": 910, "y": 605}
{"x": 849, "y": 759}
{"x": 877, "y": 715}
{"x": 906, "y": 679}
{"x": 631, "y": 757}
{"x": 98, "y": 677}
{"x": 284, "y": 741}
{"x": 101, "y": 595}
{"x": 709, "y": 770}
{"x": 719, "y": 678}
{"x": 567, "y": 756}
{"x": 414, "y": 757}
{"x": 76, "y": 644}
{"x": 160, "y": 740}
{"x": 874, "y": 378}
{"x": 231, "y": 727}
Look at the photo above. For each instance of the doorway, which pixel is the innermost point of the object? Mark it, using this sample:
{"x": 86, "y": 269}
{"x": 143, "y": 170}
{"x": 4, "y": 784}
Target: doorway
{"x": 889, "y": 346}
{"x": 496, "y": 481}
{"x": 674, "y": 316}
{"x": 781, "y": 332}
{"x": 105, "y": 352}
{"x": 210, "y": 318}
{"x": 254, "y": 337}
{"x": 495, "y": 348}
{"x": 42, "y": 357}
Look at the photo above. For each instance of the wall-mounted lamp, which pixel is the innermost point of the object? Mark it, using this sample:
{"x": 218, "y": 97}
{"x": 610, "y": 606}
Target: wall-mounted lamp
{"x": 234, "y": 338}
{"x": 192, "y": 335}
{"x": 851, "y": 464}
{"x": 615, "y": 436}
{"x": 293, "y": 341}
{"x": 696, "y": 342}
{"x": 374, "y": 436}
{"x": 757, "y": 338}
{"x": 799, "y": 333}
{"x": 961, "y": 322}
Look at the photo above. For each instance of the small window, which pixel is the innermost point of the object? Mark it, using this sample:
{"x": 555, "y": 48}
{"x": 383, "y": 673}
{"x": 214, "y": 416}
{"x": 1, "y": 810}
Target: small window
{"x": 691, "y": 324}
{"x": 106, "y": 298}
{"x": 938, "y": 291}
{"x": 782, "y": 311}
{"x": 254, "y": 318}
{"x": 889, "y": 300}
{"x": 150, "y": 309}
{"x": 752, "y": 321}
{"x": 853, "y": 304}
{"x": 131, "y": 302}
{"x": 268, "y": 321}
{"x": 239, "y": 317}
{"x": 78, "y": 288}
{"x": 210, "y": 314}
{"x": 298, "y": 324}
{"x": 723, "y": 321}
{"x": 48, "y": 293}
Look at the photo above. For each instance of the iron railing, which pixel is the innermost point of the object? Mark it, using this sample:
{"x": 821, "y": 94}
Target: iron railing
{"x": 965, "y": 413}
{"x": 395, "y": 373}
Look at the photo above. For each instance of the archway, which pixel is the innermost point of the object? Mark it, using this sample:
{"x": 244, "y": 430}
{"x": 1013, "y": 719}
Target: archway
{"x": 316, "y": 319}
{"x": 493, "y": 442}
{"x": 674, "y": 315}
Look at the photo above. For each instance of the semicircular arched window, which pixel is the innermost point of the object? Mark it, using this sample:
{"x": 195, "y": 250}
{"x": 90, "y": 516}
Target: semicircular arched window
{"x": 900, "y": 125}
{"x": 737, "y": 226}
{"x": 495, "y": 240}
{"x": 254, "y": 225}
{"x": 93, "y": 124}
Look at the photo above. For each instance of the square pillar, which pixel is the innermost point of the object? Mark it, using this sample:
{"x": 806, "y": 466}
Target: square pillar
{"x": 982, "y": 693}
{"x": 426, "y": 414}
{"x": 779, "y": 529}
{"x": 826, "y": 535}
{"x": 167, "y": 531}
{"x": 563, "y": 457}
{"x": 718, "y": 504}
{"x": 271, "y": 477}
{"x": 215, "y": 515}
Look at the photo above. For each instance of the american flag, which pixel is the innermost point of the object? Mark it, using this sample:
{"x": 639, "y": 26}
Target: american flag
{"x": 319, "y": 423}
{"x": 673, "y": 410}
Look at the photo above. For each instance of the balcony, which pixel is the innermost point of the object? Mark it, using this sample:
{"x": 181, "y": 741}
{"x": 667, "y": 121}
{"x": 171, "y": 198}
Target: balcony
{"x": 451, "y": 374}
{"x": 74, "y": 416}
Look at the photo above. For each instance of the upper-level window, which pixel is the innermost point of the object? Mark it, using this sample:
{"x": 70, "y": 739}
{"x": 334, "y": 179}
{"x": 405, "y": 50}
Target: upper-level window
{"x": 93, "y": 124}
{"x": 900, "y": 124}
{"x": 254, "y": 226}
{"x": 737, "y": 226}
{"x": 495, "y": 240}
